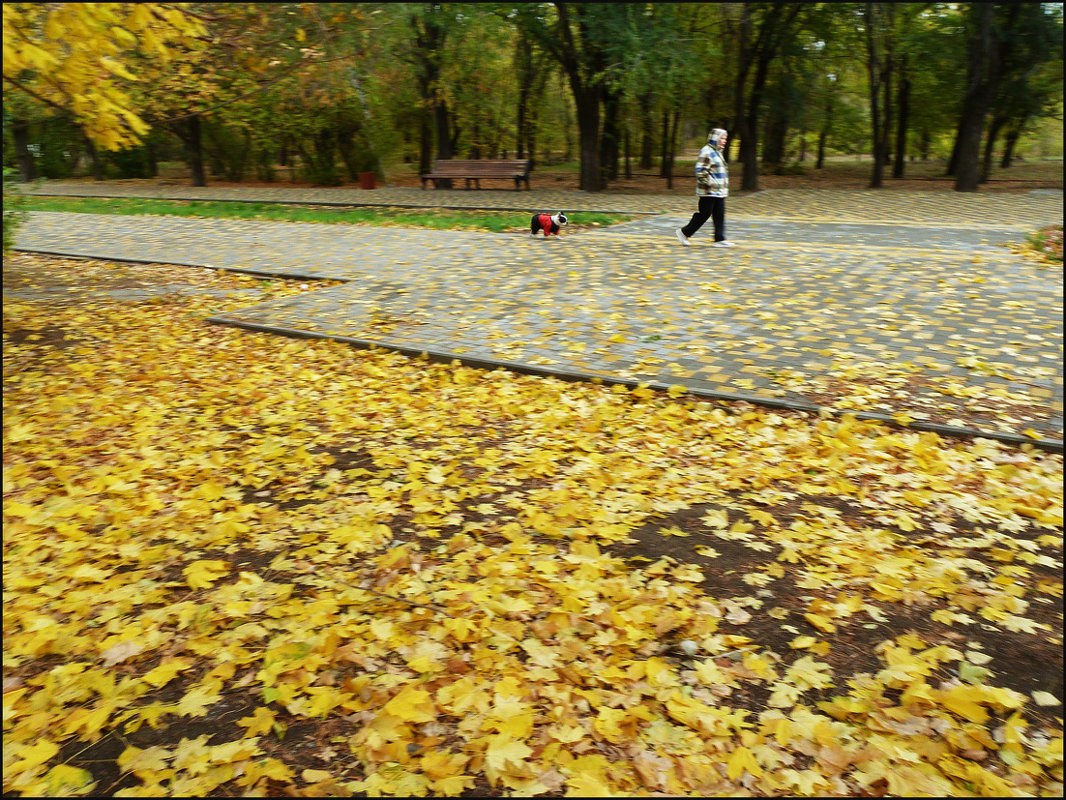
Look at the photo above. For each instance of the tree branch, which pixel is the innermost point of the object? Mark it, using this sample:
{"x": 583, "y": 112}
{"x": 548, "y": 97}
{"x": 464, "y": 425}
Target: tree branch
{"x": 263, "y": 87}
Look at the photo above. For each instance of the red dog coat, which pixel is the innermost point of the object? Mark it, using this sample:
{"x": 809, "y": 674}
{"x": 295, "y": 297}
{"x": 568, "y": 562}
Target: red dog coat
{"x": 543, "y": 222}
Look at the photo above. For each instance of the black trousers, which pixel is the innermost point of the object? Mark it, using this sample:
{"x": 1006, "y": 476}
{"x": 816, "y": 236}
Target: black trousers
{"x": 713, "y": 207}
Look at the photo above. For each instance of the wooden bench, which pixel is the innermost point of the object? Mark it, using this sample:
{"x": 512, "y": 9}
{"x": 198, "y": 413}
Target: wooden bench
{"x": 477, "y": 168}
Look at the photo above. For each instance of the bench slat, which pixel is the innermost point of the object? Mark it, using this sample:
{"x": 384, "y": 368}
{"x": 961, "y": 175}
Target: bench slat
{"x": 475, "y": 169}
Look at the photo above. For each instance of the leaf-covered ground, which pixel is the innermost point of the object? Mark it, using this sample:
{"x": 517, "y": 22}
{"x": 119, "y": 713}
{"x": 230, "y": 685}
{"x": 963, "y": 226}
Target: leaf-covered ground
{"x": 239, "y": 564}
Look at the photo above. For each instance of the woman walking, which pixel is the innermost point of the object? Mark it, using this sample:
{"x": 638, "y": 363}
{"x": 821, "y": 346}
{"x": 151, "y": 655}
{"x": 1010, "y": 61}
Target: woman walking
{"x": 712, "y": 188}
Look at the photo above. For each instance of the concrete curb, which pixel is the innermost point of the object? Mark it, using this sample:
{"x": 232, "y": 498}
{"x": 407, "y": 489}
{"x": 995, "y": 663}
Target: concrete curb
{"x": 328, "y": 204}
{"x": 1049, "y": 445}
{"x": 296, "y": 276}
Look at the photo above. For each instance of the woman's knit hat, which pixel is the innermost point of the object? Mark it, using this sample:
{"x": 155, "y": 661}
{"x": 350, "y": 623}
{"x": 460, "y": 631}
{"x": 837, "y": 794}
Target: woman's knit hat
{"x": 715, "y": 135}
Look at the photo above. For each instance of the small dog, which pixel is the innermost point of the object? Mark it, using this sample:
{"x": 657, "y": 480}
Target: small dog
{"x": 548, "y": 223}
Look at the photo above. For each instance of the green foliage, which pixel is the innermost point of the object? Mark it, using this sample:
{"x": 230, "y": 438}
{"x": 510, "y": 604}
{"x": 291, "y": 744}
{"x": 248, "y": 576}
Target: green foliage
{"x": 131, "y": 162}
{"x": 343, "y": 89}
{"x": 1047, "y": 243}
{"x": 58, "y": 143}
{"x": 14, "y": 207}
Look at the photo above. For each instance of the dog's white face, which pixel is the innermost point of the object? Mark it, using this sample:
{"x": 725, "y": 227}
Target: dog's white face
{"x": 559, "y": 219}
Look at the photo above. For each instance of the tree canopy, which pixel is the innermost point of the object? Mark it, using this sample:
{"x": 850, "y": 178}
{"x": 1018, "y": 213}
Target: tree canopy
{"x": 336, "y": 87}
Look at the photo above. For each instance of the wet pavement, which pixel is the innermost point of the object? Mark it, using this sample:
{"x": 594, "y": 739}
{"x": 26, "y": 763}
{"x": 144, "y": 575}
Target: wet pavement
{"x": 874, "y": 303}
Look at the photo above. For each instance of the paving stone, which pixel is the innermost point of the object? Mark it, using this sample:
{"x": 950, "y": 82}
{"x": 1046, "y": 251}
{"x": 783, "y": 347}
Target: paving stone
{"x": 826, "y": 286}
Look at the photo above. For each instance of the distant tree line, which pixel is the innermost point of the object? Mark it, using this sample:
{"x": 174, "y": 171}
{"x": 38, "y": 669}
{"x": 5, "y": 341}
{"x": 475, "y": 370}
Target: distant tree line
{"x": 336, "y": 90}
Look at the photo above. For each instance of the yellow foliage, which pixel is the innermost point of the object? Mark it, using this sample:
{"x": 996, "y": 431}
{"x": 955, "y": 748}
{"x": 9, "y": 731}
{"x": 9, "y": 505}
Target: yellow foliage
{"x": 65, "y": 54}
{"x": 445, "y": 596}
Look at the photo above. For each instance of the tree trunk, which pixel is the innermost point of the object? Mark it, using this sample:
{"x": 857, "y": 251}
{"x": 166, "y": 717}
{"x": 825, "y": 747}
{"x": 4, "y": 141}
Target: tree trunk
{"x": 429, "y": 37}
{"x": 20, "y": 132}
{"x": 524, "y": 69}
{"x": 775, "y": 26}
{"x": 874, "y": 74}
{"x": 568, "y": 127}
{"x": 925, "y": 143}
{"x": 453, "y": 142}
{"x": 953, "y": 159}
{"x": 990, "y": 144}
{"x": 425, "y": 144}
{"x": 190, "y": 132}
{"x": 629, "y": 169}
{"x": 444, "y": 137}
{"x": 749, "y": 144}
{"x": 95, "y": 160}
{"x": 903, "y": 98}
{"x": 979, "y": 79}
{"x": 610, "y": 136}
{"x": 773, "y": 152}
{"x": 151, "y": 158}
{"x": 1013, "y": 132}
{"x": 827, "y": 125}
{"x": 886, "y": 105}
{"x": 739, "y": 87}
{"x": 320, "y": 159}
{"x": 672, "y": 155}
{"x": 646, "y": 133}
{"x": 665, "y": 146}
{"x": 475, "y": 147}
{"x": 521, "y": 135}
{"x": 588, "y": 127}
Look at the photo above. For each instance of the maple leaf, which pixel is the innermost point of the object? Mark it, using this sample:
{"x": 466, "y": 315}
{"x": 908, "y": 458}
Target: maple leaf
{"x": 741, "y": 760}
{"x": 820, "y": 622}
{"x": 32, "y": 756}
{"x": 1046, "y": 699}
{"x": 411, "y": 705}
{"x": 716, "y": 518}
{"x": 152, "y": 759}
{"x": 440, "y": 764}
{"x": 1022, "y": 624}
{"x": 166, "y": 671}
{"x": 261, "y": 721}
{"x": 784, "y": 695}
{"x": 452, "y": 785}
{"x": 62, "y": 780}
{"x": 806, "y": 673}
{"x": 196, "y": 701}
{"x": 503, "y": 751}
{"x": 120, "y": 652}
{"x": 588, "y": 784}
{"x": 201, "y": 574}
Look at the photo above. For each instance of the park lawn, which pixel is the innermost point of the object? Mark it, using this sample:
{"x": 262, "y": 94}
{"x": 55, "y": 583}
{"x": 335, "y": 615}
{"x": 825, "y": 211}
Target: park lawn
{"x": 437, "y": 219}
{"x": 237, "y": 563}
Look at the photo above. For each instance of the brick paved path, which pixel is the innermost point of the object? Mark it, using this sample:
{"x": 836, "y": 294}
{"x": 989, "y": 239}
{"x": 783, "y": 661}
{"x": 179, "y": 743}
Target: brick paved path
{"x": 863, "y": 301}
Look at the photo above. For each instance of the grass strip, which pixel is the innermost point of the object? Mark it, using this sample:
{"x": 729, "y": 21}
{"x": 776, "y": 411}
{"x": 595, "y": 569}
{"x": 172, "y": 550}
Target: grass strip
{"x": 1047, "y": 243}
{"x": 438, "y": 219}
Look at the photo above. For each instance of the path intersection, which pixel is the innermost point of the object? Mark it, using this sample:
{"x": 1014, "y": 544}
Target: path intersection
{"x": 905, "y": 305}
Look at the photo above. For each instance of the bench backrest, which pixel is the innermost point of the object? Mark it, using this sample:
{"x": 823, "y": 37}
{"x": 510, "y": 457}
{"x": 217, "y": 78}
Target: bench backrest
{"x": 462, "y": 167}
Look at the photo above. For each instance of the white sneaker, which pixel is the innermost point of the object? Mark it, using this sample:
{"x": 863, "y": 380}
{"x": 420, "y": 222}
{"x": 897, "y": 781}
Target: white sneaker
{"x": 723, "y": 243}
{"x": 682, "y": 238}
